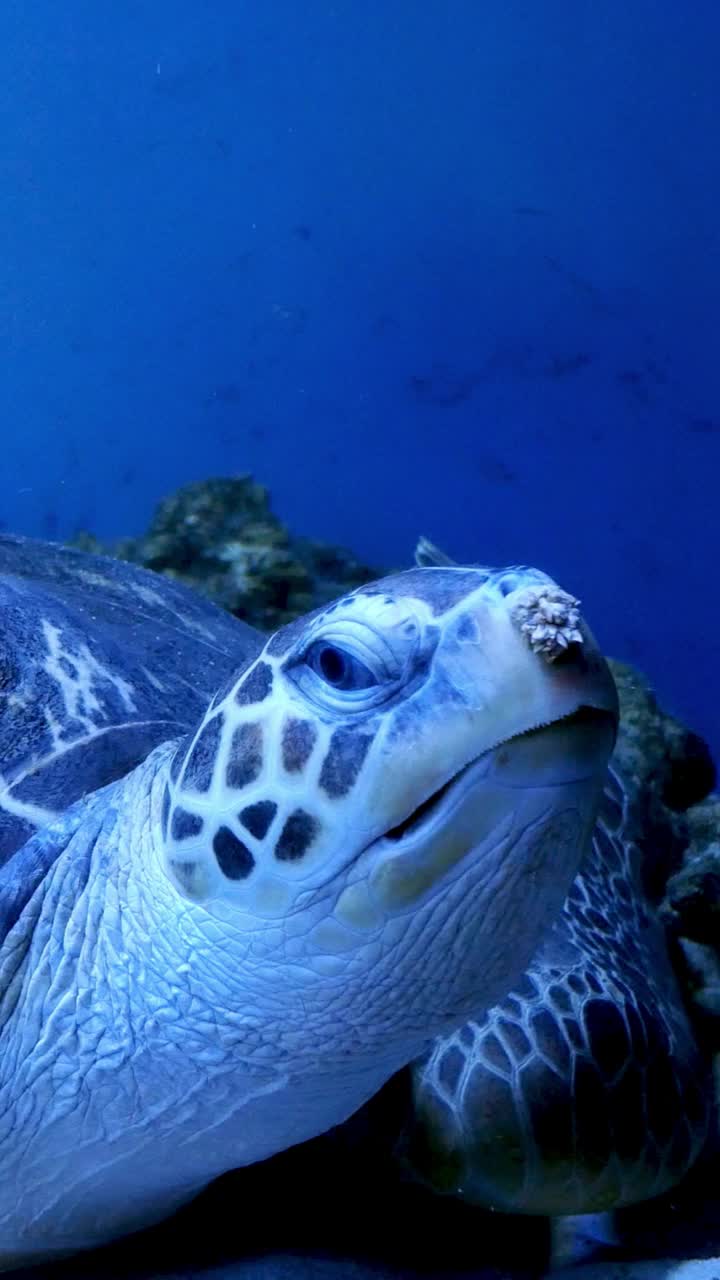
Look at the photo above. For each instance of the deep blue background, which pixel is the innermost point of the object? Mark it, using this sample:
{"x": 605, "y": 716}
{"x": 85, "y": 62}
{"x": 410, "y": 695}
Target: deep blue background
{"x": 421, "y": 265}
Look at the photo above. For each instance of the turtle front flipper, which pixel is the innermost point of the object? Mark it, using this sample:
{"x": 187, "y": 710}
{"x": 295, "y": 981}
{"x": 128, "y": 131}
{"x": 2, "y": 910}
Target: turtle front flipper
{"x": 582, "y": 1090}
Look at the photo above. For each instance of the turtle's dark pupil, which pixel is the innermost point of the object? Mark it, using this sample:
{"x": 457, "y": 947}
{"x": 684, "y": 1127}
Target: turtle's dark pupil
{"x": 332, "y": 665}
{"x": 338, "y": 668}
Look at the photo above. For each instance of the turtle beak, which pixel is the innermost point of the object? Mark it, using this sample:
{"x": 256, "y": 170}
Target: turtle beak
{"x": 568, "y": 750}
{"x": 520, "y": 672}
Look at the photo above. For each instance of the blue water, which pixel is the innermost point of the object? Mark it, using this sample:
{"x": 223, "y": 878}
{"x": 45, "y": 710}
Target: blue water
{"x": 419, "y": 266}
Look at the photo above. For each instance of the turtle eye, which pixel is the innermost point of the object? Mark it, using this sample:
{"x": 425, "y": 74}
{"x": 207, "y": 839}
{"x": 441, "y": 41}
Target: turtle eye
{"x": 338, "y": 668}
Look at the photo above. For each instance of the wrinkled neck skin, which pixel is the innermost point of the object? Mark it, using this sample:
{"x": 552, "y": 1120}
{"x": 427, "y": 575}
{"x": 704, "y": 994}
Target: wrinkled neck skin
{"x": 146, "y": 1046}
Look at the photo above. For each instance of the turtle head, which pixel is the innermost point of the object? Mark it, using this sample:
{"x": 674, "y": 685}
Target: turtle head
{"x": 423, "y": 756}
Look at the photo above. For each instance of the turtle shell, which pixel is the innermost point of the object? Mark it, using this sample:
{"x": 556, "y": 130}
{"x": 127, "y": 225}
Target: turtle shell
{"x": 100, "y": 661}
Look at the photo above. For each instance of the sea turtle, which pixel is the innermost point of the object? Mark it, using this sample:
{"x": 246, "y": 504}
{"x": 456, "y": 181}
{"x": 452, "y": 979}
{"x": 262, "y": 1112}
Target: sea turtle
{"x": 248, "y": 879}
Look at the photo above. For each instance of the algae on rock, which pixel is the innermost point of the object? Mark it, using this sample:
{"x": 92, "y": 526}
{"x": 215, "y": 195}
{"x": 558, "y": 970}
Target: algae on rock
{"x": 221, "y": 537}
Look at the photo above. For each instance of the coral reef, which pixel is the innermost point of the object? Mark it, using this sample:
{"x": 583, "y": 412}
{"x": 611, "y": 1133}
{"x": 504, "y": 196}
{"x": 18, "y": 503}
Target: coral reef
{"x": 221, "y": 537}
{"x": 676, "y": 822}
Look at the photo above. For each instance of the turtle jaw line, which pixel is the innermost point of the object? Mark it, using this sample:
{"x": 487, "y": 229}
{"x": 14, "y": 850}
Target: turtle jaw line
{"x": 443, "y": 798}
{"x": 428, "y": 807}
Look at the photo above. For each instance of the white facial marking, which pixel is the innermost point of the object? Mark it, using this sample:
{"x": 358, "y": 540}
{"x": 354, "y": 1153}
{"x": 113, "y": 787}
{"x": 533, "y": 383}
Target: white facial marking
{"x": 148, "y": 595}
{"x": 77, "y": 686}
{"x": 153, "y": 680}
{"x": 94, "y": 579}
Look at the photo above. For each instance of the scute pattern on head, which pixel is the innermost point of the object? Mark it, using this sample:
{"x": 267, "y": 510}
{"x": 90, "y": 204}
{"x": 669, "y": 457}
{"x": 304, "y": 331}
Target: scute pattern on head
{"x": 343, "y": 762}
{"x": 234, "y": 858}
{"x": 198, "y": 772}
{"x": 237, "y": 788}
{"x": 184, "y": 824}
{"x": 296, "y": 836}
{"x": 256, "y": 686}
{"x": 256, "y": 818}
{"x": 298, "y": 739}
{"x": 246, "y": 755}
{"x": 262, "y": 738}
{"x": 439, "y": 591}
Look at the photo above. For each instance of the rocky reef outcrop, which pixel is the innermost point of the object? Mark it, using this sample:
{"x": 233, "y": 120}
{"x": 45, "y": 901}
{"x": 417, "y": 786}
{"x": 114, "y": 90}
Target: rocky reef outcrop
{"x": 222, "y": 537}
